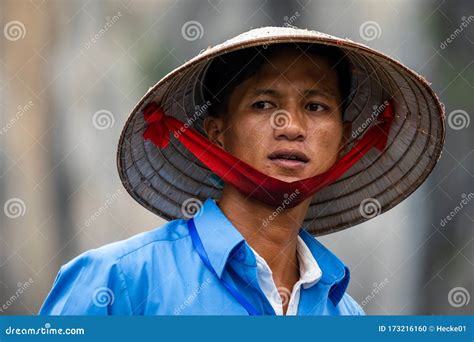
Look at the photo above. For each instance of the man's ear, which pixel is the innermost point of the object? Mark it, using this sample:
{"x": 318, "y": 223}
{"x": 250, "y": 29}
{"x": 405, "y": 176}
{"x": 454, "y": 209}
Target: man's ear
{"x": 214, "y": 128}
{"x": 346, "y": 137}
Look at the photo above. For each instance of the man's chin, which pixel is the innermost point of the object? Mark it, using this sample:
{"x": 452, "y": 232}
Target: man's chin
{"x": 286, "y": 175}
{"x": 287, "y": 178}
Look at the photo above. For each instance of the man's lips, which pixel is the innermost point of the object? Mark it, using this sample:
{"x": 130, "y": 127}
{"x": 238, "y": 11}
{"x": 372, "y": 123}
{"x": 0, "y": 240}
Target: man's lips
{"x": 289, "y": 158}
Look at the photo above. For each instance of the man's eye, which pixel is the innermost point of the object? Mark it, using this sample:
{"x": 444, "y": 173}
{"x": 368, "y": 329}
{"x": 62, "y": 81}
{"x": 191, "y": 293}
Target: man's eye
{"x": 263, "y": 105}
{"x": 314, "y": 107}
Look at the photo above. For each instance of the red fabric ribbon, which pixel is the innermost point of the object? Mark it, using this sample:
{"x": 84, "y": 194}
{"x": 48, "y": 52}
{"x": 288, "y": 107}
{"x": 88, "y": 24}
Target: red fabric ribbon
{"x": 247, "y": 179}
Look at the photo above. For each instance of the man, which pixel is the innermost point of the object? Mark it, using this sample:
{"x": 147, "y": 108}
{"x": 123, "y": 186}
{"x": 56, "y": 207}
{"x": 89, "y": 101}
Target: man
{"x": 310, "y": 92}
{"x": 283, "y": 114}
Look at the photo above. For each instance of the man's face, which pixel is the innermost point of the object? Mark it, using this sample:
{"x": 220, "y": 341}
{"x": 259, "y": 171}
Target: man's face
{"x": 285, "y": 120}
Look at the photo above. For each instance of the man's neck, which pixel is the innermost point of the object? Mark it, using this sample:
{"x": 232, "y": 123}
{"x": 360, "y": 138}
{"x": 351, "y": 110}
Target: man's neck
{"x": 271, "y": 232}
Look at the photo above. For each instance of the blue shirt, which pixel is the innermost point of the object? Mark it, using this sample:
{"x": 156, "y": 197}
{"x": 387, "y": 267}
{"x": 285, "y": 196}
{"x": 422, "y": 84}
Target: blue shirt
{"x": 160, "y": 273}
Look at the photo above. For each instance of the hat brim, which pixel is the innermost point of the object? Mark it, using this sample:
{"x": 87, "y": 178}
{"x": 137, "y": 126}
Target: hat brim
{"x": 163, "y": 180}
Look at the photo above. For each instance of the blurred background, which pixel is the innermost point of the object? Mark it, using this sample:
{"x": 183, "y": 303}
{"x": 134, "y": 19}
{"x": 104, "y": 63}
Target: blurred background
{"x": 71, "y": 72}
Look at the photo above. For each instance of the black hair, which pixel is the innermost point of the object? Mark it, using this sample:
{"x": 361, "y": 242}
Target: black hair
{"x": 227, "y": 71}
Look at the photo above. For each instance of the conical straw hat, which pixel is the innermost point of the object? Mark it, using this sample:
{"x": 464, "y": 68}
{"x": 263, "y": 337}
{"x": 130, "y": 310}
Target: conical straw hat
{"x": 166, "y": 180}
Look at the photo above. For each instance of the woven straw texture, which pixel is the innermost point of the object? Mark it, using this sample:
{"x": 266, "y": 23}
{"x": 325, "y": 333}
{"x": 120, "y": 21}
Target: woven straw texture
{"x": 163, "y": 179}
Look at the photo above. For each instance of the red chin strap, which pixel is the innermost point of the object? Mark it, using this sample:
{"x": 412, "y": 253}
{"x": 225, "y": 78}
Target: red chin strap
{"x": 244, "y": 177}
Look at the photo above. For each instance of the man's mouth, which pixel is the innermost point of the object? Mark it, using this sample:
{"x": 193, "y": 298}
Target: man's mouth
{"x": 289, "y": 158}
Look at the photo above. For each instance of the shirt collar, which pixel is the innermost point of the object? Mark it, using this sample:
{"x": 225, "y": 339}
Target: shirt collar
{"x": 218, "y": 235}
{"x": 219, "y": 238}
{"x": 335, "y": 272}
{"x": 310, "y": 272}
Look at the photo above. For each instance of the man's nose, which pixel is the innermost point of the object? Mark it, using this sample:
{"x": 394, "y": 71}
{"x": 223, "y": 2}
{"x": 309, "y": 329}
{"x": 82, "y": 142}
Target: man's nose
{"x": 289, "y": 124}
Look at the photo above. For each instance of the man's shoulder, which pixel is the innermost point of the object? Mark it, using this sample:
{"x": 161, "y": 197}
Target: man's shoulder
{"x": 348, "y": 306}
{"x": 98, "y": 275}
{"x": 111, "y": 253}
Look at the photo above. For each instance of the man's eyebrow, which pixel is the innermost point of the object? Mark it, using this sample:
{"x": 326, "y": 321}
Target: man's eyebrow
{"x": 319, "y": 92}
{"x": 265, "y": 91}
{"x": 306, "y": 93}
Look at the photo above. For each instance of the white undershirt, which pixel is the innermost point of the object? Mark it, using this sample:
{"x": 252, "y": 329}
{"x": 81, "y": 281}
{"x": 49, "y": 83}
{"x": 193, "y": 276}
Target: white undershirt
{"x": 310, "y": 273}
